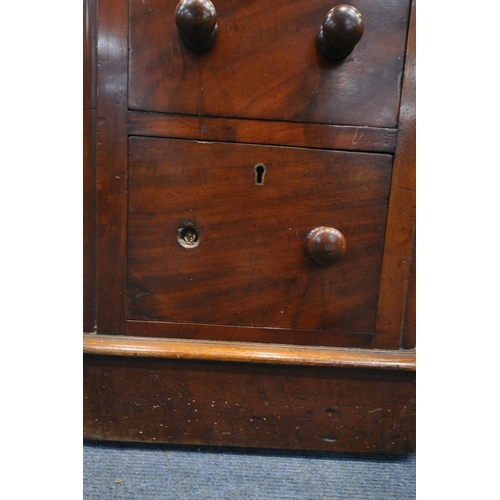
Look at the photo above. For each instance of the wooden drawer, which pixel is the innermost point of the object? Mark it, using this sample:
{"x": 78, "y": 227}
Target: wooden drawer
{"x": 265, "y": 63}
{"x": 248, "y": 270}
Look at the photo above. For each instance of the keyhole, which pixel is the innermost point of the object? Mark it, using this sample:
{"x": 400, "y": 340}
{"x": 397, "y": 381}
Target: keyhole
{"x": 260, "y": 171}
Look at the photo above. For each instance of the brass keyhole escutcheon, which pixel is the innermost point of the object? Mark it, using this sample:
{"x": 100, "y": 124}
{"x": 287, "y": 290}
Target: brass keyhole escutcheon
{"x": 260, "y": 172}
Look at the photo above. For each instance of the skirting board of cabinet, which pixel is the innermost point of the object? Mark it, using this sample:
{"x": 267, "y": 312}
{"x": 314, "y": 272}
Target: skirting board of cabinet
{"x": 171, "y": 391}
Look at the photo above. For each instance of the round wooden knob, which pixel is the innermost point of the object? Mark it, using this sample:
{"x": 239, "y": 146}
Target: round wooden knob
{"x": 325, "y": 245}
{"x": 340, "y": 32}
{"x": 197, "y": 23}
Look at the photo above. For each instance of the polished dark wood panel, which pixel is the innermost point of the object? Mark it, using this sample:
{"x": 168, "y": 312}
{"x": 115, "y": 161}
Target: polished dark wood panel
{"x": 310, "y": 135}
{"x": 89, "y": 105}
{"x": 402, "y": 212}
{"x": 239, "y": 404}
{"x": 409, "y": 335}
{"x": 265, "y": 64}
{"x": 249, "y": 266}
{"x": 111, "y": 166}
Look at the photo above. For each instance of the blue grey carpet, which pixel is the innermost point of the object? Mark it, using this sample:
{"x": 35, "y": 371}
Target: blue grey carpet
{"x": 132, "y": 471}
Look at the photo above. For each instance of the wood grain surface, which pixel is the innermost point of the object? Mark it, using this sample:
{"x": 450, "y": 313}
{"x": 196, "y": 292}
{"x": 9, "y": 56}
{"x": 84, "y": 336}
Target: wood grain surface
{"x": 400, "y": 233}
{"x": 310, "y": 135}
{"x": 409, "y": 335}
{"x": 111, "y": 166}
{"x": 265, "y": 64}
{"x": 89, "y": 124}
{"x": 250, "y": 267}
{"x": 250, "y": 334}
{"x": 248, "y": 352}
{"x": 243, "y": 404}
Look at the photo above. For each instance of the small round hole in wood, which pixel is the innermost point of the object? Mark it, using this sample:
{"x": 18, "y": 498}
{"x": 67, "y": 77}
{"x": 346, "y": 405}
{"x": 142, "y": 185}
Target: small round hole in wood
{"x": 188, "y": 236}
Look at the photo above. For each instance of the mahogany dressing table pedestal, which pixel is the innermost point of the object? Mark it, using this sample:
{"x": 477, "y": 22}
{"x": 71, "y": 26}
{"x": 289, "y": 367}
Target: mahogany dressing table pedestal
{"x": 250, "y": 223}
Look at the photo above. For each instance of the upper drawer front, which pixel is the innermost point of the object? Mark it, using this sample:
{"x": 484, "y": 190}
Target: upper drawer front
{"x": 265, "y": 63}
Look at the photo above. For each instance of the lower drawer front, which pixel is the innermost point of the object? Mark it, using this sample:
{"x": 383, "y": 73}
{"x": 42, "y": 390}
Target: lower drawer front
{"x": 217, "y": 233}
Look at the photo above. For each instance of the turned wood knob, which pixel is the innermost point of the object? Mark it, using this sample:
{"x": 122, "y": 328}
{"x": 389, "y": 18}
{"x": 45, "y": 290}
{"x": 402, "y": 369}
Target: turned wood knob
{"x": 325, "y": 245}
{"x": 340, "y": 32}
{"x": 197, "y": 23}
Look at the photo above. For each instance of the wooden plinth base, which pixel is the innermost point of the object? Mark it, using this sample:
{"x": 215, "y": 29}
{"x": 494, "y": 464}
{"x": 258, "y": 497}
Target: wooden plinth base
{"x": 248, "y": 404}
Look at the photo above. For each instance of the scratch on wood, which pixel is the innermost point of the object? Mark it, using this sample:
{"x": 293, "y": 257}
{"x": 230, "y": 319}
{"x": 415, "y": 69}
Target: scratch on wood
{"x": 356, "y": 139}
